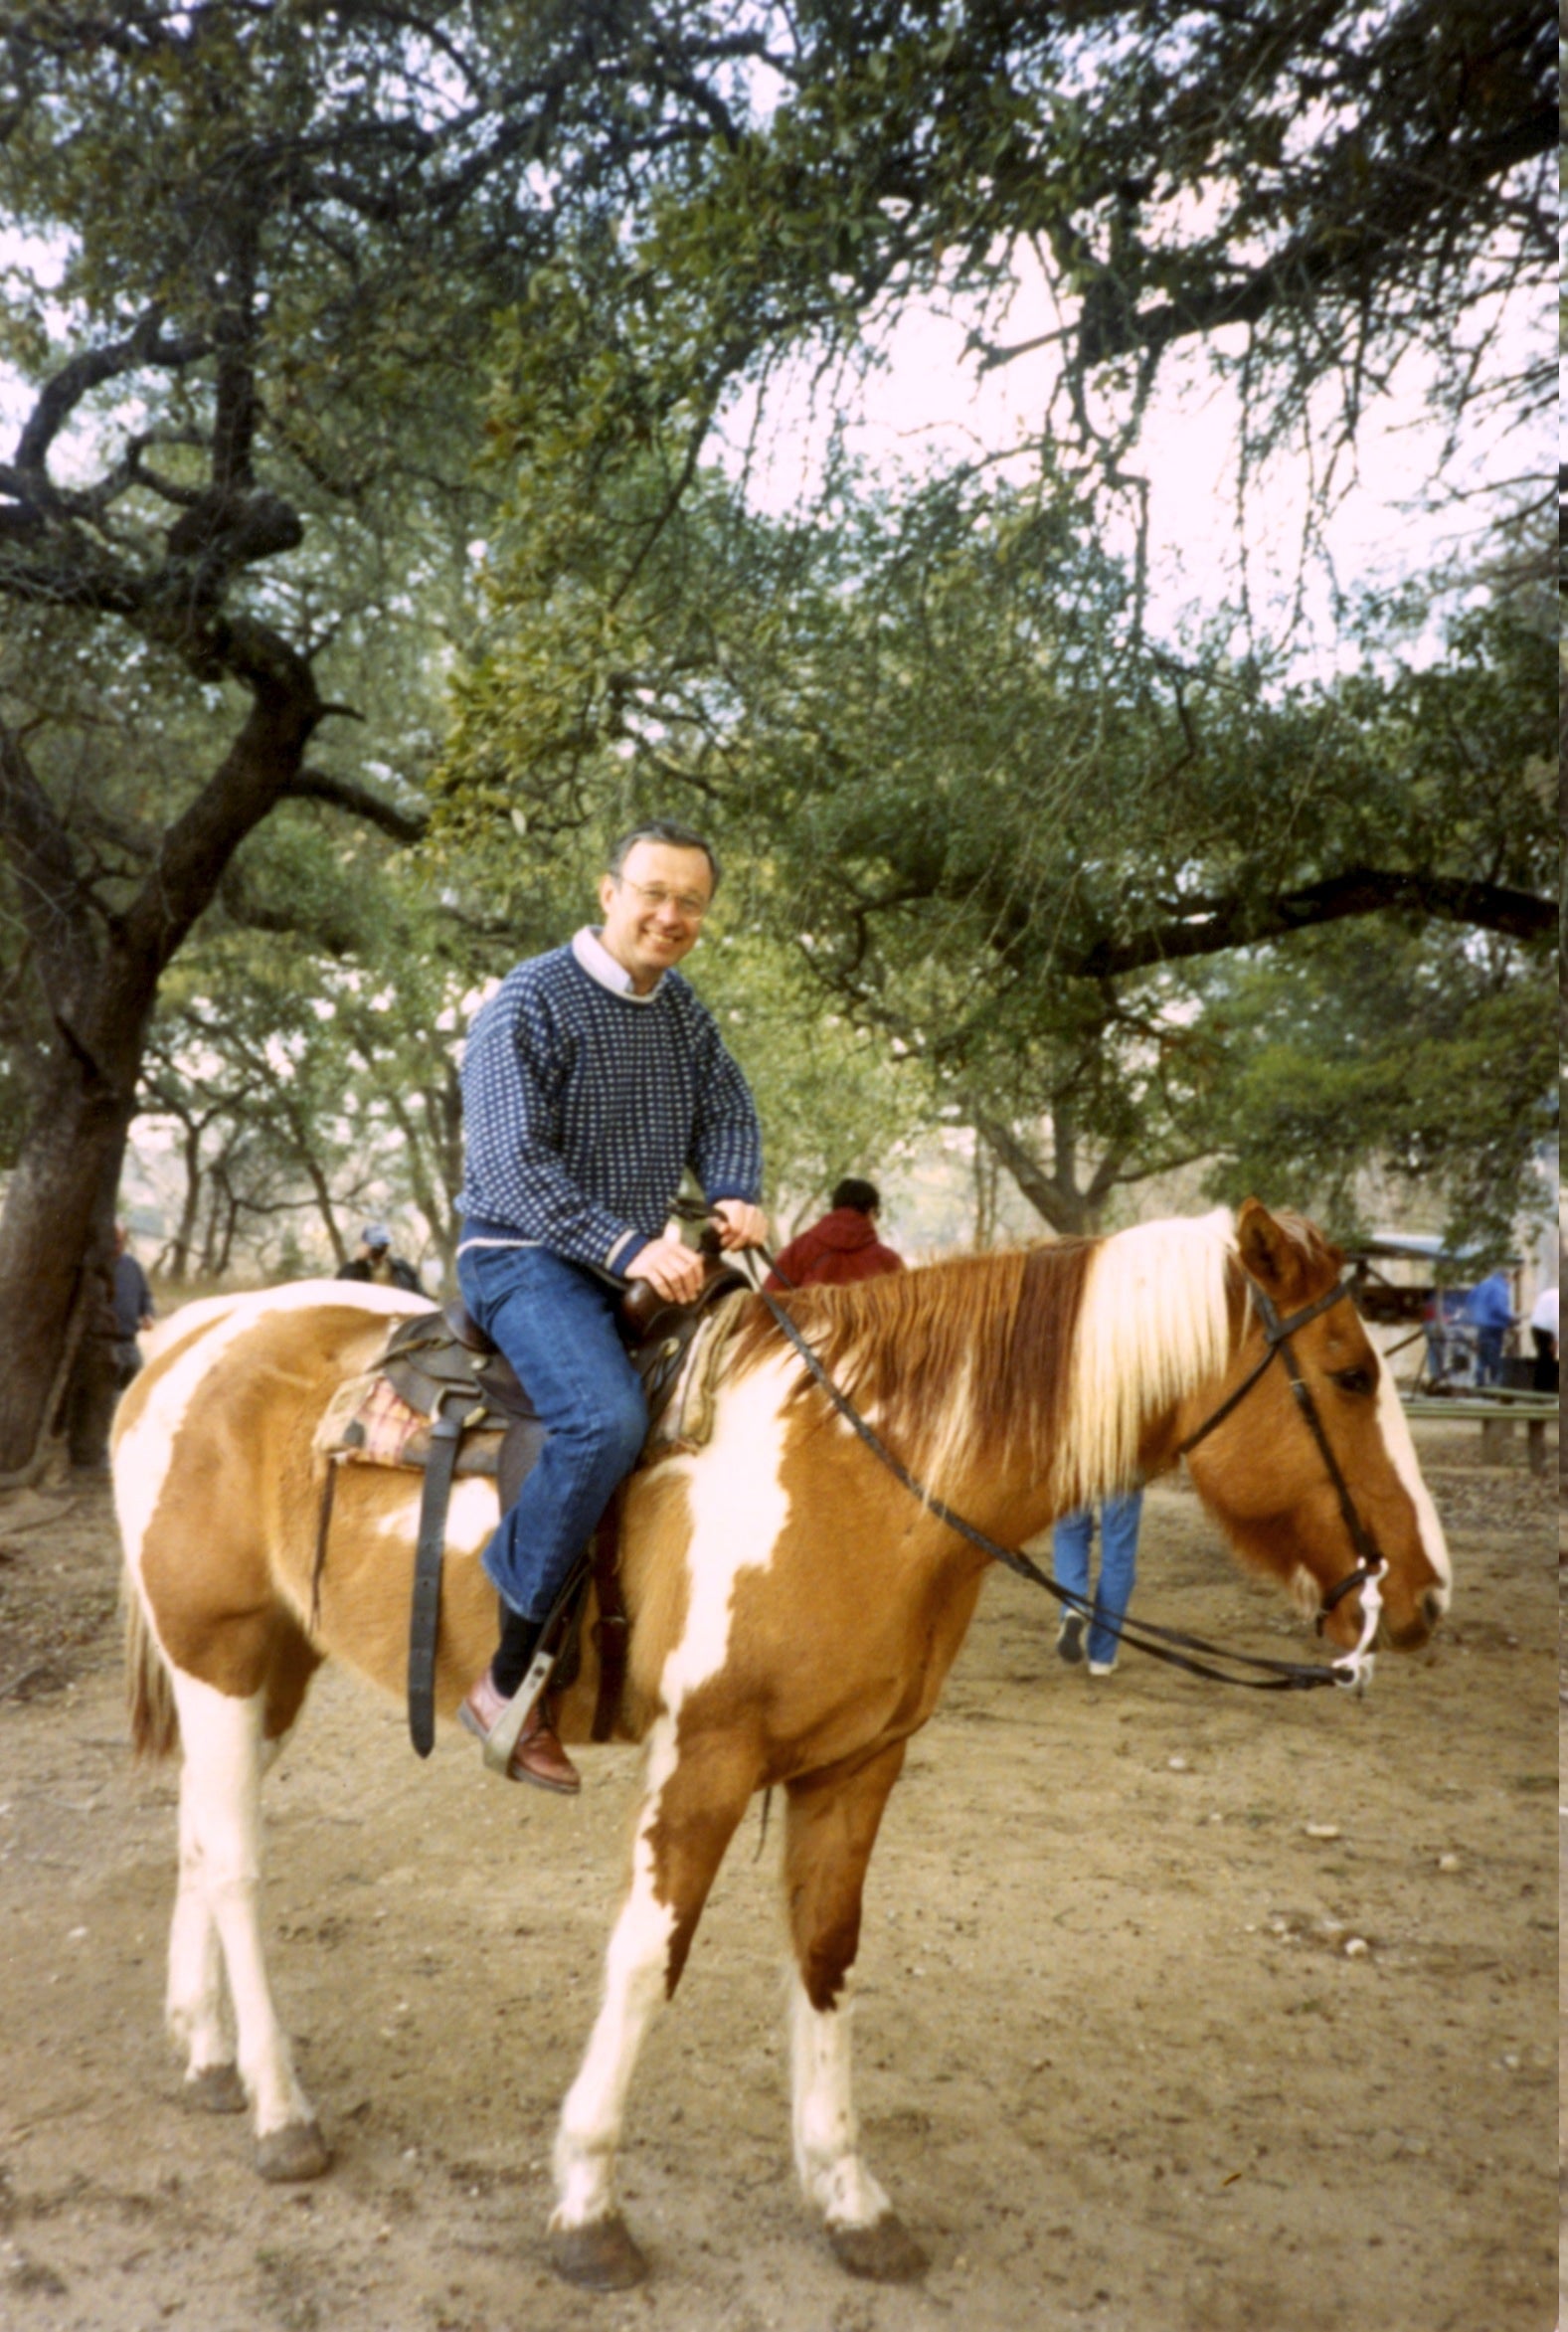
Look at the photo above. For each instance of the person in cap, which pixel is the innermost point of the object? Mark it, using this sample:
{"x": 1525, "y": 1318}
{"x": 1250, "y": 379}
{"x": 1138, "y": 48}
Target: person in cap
{"x": 373, "y": 1260}
{"x": 132, "y": 1309}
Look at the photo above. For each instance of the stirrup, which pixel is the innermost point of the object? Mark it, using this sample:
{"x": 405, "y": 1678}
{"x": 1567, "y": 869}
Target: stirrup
{"x": 502, "y": 1739}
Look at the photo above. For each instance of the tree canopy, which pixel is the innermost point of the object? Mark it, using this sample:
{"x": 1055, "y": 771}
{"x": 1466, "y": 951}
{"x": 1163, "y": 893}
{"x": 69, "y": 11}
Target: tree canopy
{"x": 1308, "y": 193}
{"x": 985, "y": 832}
{"x": 279, "y": 272}
{"x": 999, "y": 820}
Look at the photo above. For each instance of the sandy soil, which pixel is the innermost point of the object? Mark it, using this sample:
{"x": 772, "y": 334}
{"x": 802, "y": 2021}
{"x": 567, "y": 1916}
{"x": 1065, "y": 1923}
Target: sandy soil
{"x": 1182, "y": 2009}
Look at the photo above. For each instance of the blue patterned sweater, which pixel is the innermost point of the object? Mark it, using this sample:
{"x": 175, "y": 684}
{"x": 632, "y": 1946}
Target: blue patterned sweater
{"x": 582, "y": 1105}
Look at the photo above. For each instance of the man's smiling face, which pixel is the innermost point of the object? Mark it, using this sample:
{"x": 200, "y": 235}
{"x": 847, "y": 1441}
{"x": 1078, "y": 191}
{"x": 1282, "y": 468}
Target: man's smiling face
{"x": 654, "y": 909}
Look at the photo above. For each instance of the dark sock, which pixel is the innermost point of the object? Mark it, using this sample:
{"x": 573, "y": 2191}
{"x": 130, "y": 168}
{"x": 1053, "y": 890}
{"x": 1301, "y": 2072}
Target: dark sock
{"x": 514, "y": 1652}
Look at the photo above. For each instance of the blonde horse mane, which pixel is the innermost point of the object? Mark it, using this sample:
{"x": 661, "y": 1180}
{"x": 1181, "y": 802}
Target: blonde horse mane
{"x": 1156, "y": 1320}
{"x": 1057, "y": 1353}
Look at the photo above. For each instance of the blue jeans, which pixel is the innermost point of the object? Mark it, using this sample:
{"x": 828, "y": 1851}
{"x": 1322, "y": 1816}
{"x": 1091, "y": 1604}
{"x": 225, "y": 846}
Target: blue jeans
{"x": 556, "y": 1324}
{"x": 1070, "y": 1542}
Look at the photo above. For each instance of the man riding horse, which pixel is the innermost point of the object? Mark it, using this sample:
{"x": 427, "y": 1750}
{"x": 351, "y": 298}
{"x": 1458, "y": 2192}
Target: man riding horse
{"x": 592, "y": 1080}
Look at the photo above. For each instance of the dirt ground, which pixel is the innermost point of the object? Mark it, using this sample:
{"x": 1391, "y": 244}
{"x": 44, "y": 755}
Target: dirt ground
{"x": 1181, "y": 2008}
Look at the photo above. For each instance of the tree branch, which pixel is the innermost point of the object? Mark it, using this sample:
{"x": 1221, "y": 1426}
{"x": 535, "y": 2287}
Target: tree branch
{"x": 1209, "y": 927}
{"x": 249, "y": 782}
{"x": 403, "y": 825}
{"x": 53, "y": 906}
{"x": 61, "y": 397}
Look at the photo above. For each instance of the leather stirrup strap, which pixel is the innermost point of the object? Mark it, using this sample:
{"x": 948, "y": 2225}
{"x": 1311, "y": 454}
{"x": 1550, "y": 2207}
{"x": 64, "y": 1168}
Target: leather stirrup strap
{"x": 323, "y": 1533}
{"x": 611, "y": 1628}
{"x": 425, "y": 1616}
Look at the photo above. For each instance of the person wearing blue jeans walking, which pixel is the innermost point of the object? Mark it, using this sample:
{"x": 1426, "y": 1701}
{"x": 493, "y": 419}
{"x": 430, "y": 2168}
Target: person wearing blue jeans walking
{"x": 592, "y": 1080}
{"x": 1070, "y": 1539}
{"x": 1489, "y": 1311}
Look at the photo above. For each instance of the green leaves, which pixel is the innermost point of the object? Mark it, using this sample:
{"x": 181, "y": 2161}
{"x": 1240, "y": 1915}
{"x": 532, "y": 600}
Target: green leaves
{"x": 1044, "y": 868}
{"x": 1431, "y": 1060}
{"x": 343, "y": 291}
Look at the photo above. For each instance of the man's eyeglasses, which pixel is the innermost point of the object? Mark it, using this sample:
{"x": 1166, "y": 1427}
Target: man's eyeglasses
{"x": 654, "y": 896}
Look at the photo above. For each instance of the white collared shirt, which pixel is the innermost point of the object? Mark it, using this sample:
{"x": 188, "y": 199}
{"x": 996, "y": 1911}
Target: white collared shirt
{"x": 597, "y": 962}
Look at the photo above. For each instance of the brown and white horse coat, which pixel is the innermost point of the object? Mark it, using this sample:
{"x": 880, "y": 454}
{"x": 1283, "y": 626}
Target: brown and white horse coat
{"x": 794, "y": 1610}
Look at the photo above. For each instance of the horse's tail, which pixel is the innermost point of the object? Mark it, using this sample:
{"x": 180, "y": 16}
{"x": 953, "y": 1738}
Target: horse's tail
{"x": 149, "y": 1698}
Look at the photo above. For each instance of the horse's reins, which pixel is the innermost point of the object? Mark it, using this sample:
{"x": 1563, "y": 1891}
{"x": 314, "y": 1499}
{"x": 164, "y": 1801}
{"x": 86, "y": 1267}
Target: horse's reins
{"x": 1353, "y": 1669}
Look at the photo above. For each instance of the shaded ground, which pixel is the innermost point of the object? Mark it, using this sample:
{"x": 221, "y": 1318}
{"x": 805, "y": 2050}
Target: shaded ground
{"x": 1181, "y": 2010}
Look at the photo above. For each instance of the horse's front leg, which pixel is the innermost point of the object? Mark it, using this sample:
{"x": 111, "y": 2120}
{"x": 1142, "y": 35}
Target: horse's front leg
{"x": 693, "y": 1799}
{"x": 831, "y": 1828}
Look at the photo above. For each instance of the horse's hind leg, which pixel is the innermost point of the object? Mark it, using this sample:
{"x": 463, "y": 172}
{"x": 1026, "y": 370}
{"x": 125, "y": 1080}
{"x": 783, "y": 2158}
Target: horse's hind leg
{"x": 831, "y": 1828}
{"x": 217, "y": 1910}
{"x": 195, "y": 2001}
{"x": 694, "y": 1800}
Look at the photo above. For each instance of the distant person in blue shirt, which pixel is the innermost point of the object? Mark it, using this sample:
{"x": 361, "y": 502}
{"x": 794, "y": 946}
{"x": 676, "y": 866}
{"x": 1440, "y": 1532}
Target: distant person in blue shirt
{"x": 1489, "y": 1311}
{"x": 132, "y": 1310}
{"x": 592, "y": 1081}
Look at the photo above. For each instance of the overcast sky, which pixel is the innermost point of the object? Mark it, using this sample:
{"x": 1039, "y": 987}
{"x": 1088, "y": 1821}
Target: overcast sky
{"x": 930, "y": 403}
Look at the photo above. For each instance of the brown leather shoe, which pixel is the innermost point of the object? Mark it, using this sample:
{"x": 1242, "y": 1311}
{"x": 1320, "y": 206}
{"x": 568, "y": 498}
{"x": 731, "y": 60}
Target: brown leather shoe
{"x": 538, "y": 1756}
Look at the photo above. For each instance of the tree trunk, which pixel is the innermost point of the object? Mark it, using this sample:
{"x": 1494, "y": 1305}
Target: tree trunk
{"x": 231, "y": 1225}
{"x": 223, "y": 1215}
{"x": 56, "y": 1260}
{"x": 984, "y": 1196}
{"x": 1056, "y": 1196}
{"x": 326, "y": 1204}
{"x": 190, "y": 1208}
{"x": 434, "y": 1197}
{"x": 58, "y": 1214}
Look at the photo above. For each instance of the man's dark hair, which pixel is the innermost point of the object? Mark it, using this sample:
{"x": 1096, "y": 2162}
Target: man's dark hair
{"x": 852, "y": 1192}
{"x": 665, "y": 831}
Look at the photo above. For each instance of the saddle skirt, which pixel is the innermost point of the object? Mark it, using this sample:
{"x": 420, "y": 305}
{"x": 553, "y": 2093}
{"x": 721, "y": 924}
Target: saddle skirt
{"x": 440, "y": 1398}
{"x": 440, "y": 1361}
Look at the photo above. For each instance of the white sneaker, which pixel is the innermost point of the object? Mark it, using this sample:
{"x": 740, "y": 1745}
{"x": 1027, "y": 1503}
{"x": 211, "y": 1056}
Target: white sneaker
{"x": 1070, "y": 1638}
{"x": 1102, "y": 1668}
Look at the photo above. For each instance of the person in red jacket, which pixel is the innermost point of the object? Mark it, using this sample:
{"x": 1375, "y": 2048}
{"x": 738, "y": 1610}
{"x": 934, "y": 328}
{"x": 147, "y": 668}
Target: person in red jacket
{"x": 843, "y": 1245}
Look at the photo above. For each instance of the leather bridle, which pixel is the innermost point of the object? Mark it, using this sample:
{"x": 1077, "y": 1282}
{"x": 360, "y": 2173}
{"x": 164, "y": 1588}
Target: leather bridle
{"x": 1353, "y": 1669}
{"x": 1373, "y": 1565}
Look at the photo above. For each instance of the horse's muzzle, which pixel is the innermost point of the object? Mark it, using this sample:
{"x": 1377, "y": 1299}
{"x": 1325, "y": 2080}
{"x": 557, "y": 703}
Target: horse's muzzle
{"x": 1418, "y": 1630}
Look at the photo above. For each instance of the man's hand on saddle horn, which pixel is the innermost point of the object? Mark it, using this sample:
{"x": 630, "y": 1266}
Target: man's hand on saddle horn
{"x": 740, "y": 1224}
{"x": 676, "y": 1270}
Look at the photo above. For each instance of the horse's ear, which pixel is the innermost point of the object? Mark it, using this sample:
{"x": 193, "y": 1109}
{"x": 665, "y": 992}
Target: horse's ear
{"x": 1269, "y": 1252}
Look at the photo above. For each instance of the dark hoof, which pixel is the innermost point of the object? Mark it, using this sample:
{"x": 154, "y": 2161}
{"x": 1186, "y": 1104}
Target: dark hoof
{"x": 884, "y": 2253}
{"x": 295, "y": 2151}
{"x": 217, "y": 2089}
{"x": 601, "y": 2257}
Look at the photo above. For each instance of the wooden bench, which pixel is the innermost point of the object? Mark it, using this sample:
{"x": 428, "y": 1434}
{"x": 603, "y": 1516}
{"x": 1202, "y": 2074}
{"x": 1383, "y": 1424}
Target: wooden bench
{"x": 1497, "y": 1414}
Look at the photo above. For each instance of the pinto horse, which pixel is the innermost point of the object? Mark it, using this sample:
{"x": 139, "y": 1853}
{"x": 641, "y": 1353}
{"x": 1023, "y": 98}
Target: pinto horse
{"x": 793, "y": 1609}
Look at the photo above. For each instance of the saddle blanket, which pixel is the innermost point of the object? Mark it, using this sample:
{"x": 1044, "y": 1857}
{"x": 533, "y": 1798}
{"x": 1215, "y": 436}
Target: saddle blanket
{"x": 368, "y": 1419}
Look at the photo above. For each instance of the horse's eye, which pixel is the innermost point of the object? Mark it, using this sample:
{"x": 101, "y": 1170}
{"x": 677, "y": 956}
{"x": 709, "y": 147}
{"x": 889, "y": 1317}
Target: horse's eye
{"x": 1354, "y": 1381}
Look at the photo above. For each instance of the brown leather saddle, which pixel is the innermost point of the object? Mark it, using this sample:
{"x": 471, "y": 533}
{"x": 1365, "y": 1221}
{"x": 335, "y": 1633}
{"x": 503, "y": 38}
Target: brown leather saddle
{"x": 445, "y": 1367}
